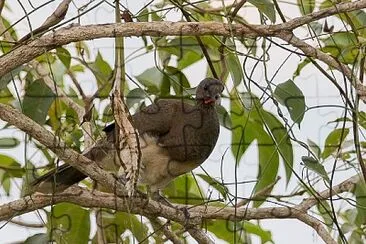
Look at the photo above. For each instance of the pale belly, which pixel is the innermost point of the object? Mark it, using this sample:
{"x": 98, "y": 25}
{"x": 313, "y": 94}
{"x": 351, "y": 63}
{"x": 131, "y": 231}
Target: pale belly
{"x": 157, "y": 168}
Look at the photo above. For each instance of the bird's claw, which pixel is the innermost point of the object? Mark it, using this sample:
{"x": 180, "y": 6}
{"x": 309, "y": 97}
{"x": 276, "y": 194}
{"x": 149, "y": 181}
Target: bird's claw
{"x": 186, "y": 215}
{"x": 159, "y": 198}
{"x": 122, "y": 179}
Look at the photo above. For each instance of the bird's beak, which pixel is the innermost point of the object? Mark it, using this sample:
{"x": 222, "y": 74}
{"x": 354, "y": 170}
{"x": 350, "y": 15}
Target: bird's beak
{"x": 210, "y": 100}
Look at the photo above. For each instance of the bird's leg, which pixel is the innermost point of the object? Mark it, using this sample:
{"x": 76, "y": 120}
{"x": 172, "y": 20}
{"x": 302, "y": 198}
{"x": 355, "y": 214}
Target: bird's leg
{"x": 122, "y": 179}
{"x": 156, "y": 196}
{"x": 159, "y": 198}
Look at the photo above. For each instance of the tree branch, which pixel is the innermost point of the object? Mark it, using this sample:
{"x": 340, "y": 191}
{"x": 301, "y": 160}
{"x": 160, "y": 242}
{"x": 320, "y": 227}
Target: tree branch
{"x": 63, "y": 36}
{"x": 26, "y": 224}
{"x": 136, "y": 205}
{"x": 151, "y": 208}
{"x": 170, "y": 235}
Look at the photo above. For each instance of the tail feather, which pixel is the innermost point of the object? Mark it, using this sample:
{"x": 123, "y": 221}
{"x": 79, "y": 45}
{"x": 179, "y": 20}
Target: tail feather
{"x": 57, "y": 180}
{"x": 65, "y": 176}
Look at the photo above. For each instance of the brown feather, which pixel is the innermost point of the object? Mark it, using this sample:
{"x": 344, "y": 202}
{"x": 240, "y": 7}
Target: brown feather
{"x": 175, "y": 138}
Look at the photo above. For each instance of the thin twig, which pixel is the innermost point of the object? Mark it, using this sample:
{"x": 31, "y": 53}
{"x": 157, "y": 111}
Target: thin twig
{"x": 260, "y": 194}
{"x": 56, "y": 17}
{"x": 25, "y": 224}
{"x": 77, "y": 85}
{"x": 164, "y": 227}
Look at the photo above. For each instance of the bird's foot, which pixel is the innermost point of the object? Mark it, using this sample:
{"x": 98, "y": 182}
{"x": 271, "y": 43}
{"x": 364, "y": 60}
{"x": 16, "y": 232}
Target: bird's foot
{"x": 159, "y": 198}
{"x": 187, "y": 216}
{"x": 156, "y": 196}
{"x": 122, "y": 179}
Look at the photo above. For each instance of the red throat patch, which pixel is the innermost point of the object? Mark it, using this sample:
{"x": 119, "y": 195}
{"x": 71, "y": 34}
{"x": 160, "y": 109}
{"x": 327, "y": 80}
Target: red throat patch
{"x": 209, "y": 101}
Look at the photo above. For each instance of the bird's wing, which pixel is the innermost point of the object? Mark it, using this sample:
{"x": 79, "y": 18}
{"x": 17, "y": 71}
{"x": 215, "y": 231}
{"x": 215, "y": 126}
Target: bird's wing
{"x": 157, "y": 118}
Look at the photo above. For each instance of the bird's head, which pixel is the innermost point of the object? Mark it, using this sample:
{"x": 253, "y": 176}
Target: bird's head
{"x": 209, "y": 91}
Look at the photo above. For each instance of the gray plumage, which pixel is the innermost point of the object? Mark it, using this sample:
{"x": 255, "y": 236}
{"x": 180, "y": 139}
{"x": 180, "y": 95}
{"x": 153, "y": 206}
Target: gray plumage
{"x": 175, "y": 137}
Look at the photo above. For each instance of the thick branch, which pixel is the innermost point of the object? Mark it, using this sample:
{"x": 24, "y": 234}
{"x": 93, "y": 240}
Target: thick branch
{"x": 311, "y": 51}
{"x": 164, "y": 227}
{"x": 150, "y": 208}
{"x": 345, "y": 186}
{"x": 63, "y": 36}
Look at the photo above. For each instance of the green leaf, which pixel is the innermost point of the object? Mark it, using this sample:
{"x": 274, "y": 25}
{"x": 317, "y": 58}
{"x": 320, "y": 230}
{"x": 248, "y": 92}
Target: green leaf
{"x": 315, "y": 148}
{"x": 103, "y": 73}
{"x": 343, "y": 46}
{"x": 6, "y": 184}
{"x": 6, "y": 96}
{"x": 333, "y": 141}
{"x": 10, "y": 166}
{"x": 5, "y": 79}
{"x": 316, "y": 27}
{"x": 117, "y": 223}
{"x": 156, "y": 17}
{"x": 64, "y": 56}
{"x": 8, "y": 142}
{"x": 69, "y": 223}
{"x": 357, "y": 18}
{"x": 306, "y": 6}
{"x": 247, "y": 126}
{"x": 264, "y": 235}
{"x": 361, "y": 119}
{"x": 176, "y": 79}
{"x": 152, "y": 79}
{"x": 9, "y": 27}
{"x": 300, "y": 66}
{"x": 82, "y": 49}
{"x": 282, "y": 140}
{"x": 184, "y": 190}
{"x": 250, "y": 44}
{"x": 314, "y": 165}
{"x": 143, "y": 15}
{"x": 215, "y": 184}
{"x": 268, "y": 163}
{"x": 360, "y": 193}
{"x": 326, "y": 213}
{"x": 235, "y": 68}
{"x": 102, "y": 66}
{"x": 29, "y": 176}
{"x": 226, "y": 230}
{"x": 220, "y": 229}
{"x": 37, "y": 100}
{"x": 289, "y": 95}
{"x": 77, "y": 68}
{"x": 40, "y": 238}
{"x": 266, "y": 7}
{"x": 135, "y": 96}
{"x": 224, "y": 117}
{"x": 242, "y": 132}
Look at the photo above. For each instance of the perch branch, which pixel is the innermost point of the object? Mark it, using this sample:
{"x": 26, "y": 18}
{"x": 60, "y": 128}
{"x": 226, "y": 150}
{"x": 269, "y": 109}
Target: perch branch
{"x": 150, "y": 208}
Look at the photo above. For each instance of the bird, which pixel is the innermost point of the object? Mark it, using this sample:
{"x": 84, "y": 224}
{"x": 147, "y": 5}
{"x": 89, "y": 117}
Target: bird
{"x": 175, "y": 137}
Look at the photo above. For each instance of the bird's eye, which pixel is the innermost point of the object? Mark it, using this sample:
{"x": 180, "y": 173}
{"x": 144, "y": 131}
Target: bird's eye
{"x": 205, "y": 88}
